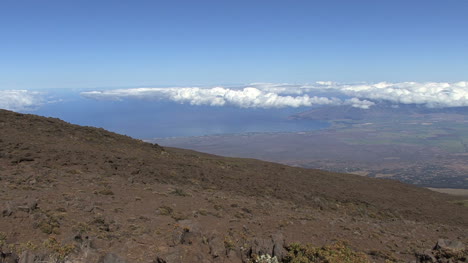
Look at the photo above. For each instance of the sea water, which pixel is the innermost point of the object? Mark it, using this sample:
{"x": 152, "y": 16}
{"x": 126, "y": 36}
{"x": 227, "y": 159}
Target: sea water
{"x": 159, "y": 119}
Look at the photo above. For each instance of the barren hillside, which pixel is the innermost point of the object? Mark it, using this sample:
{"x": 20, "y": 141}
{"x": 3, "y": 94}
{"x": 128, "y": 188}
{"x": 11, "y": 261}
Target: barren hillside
{"x": 88, "y": 195}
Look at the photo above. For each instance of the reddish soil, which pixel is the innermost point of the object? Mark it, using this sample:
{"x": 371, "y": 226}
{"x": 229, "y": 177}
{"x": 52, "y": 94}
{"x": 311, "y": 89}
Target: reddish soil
{"x": 98, "y": 192}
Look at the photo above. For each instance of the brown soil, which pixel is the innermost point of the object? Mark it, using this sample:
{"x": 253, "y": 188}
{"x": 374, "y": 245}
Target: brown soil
{"x": 101, "y": 192}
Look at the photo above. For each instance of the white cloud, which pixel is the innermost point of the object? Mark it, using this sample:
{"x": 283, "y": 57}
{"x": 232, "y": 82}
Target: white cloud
{"x": 430, "y": 94}
{"x": 19, "y": 100}
{"x": 273, "y": 95}
{"x": 357, "y": 103}
{"x": 248, "y": 97}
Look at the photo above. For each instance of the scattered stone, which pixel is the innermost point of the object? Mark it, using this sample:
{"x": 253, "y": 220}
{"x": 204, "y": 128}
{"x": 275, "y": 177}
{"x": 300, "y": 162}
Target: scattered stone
{"x": 190, "y": 225}
{"x": 320, "y": 203}
{"x": 8, "y": 257}
{"x": 28, "y": 206}
{"x": 173, "y": 256}
{"x": 180, "y": 255}
{"x": 449, "y": 244}
{"x": 27, "y": 257}
{"x": 234, "y": 256}
{"x": 23, "y": 208}
{"x": 274, "y": 246}
{"x": 261, "y": 247}
{"x": 279, "y": 250}
{"x": 425, "y": 257}
{"x": 85, "y": 242}
{"x": 22, "y": 159}
{"x": 32, "y": 204}
{"x": 445, "y": 251}
{"x": 7, "y": 209}
{"x": 216, "y": 245}
{"x": 189, "y": 238}
{"x": 111, "y": 258}
{"x": 89, "y": 208}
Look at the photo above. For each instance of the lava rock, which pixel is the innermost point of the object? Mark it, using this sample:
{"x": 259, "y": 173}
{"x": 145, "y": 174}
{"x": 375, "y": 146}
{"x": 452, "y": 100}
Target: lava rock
{"x": 279, "y": 250}
{"x": 449, "y": 245}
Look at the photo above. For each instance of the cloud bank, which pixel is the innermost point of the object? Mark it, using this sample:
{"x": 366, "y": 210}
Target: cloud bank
{"x": 273, "y": 95}
{"x": 248, "y": 97}
{"x": 20, "y": 100}
{"x": 429, "y": 94}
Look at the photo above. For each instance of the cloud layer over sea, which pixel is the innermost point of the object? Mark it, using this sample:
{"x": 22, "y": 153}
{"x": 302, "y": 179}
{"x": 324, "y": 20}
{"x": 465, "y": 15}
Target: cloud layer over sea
{"x": 272, "y": 95}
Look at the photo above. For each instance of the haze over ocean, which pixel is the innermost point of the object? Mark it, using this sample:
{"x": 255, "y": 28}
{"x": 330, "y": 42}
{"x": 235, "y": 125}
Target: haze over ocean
{"x": 149, "y": 119}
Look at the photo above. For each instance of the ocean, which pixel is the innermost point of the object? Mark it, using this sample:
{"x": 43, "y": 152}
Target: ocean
{"x": 161, "y": 119}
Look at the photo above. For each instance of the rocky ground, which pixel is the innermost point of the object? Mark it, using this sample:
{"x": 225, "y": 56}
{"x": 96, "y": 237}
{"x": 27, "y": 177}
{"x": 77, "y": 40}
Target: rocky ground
{"x": 81, "y": 194}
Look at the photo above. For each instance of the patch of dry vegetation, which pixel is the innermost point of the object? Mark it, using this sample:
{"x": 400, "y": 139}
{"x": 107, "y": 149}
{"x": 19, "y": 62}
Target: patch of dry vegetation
{"x": 339, "y": 252}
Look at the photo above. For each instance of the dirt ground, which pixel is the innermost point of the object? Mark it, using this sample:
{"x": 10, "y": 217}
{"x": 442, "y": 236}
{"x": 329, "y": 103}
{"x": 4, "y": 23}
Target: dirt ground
{"x": 83, "y": 193}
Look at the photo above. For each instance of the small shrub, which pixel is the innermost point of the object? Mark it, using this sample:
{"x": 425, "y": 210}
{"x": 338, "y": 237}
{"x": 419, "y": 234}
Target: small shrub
{"x": 178, "y": 216}
{"x": 3, "y": 238}
{"x": 101, "y": 224}
{"x": 81, "y": 227}
{"x": 336, "y": 253}
{"x": 229, "y": 244}
{"x": 59, "y": 252}
{"x": 179, "y": 192}
{"x": 49, "y": 224}
{"x": 61, "y": 209}
{"x": 218, "y": 207}
{"x": 461, "y": 203}
{"x": 165, "y": 210}
{"x": 106, "y": 192}
{"x": 30, "y": 246}
{"x": 203, "y": 212}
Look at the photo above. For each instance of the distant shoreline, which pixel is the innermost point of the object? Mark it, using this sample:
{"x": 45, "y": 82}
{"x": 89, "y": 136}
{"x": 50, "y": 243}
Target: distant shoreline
{"x": 451, "y": 191}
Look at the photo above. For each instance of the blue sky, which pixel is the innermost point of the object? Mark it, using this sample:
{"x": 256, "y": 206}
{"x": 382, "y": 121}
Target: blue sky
{"x": 93, "y": 44}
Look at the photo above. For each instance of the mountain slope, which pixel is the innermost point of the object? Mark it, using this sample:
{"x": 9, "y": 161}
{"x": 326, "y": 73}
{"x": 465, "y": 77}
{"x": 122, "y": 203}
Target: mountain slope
{"x": 141, "y": 201}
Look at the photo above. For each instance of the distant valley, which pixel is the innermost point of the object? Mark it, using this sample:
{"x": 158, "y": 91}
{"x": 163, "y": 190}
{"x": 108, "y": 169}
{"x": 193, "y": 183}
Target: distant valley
{"x": 416, "y": 145}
